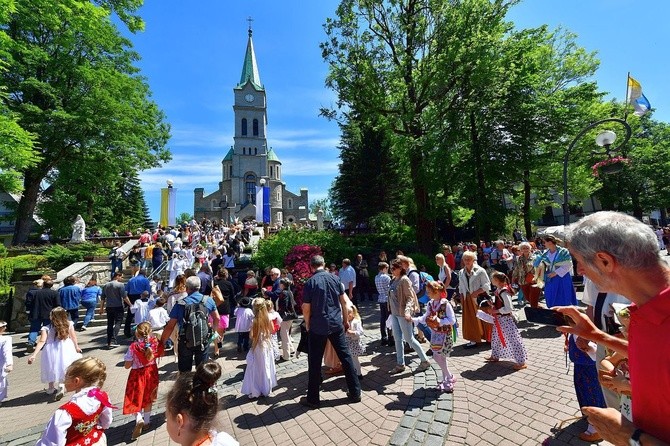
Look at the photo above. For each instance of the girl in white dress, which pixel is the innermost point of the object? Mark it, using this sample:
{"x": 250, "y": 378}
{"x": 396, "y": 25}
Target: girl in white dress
{"x": 275, "y": 320}
{"x": 6, "y": 361}
{"x": 354, "y": 338}
{"x": 260, "y": 375}
{"x": 61, "y": 349}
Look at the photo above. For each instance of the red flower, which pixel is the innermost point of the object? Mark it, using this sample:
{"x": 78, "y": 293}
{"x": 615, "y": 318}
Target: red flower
{"x": 607, "y": 162}
{"x": 297, "y": 262}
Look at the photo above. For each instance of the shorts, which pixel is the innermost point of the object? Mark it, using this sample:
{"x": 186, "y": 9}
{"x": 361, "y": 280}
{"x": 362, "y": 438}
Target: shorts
{"x": 224, "y": 321}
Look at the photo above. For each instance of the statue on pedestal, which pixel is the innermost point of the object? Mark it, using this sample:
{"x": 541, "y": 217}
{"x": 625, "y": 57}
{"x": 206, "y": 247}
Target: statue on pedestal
{"x": 78, "y": 230}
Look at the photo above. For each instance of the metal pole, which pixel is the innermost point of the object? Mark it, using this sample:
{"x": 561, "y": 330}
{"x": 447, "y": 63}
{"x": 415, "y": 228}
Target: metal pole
{"x": 566, "y": 158}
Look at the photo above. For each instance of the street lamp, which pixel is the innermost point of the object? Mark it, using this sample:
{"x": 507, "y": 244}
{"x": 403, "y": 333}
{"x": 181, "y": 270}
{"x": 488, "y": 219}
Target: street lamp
{"x": 605, "y": 140}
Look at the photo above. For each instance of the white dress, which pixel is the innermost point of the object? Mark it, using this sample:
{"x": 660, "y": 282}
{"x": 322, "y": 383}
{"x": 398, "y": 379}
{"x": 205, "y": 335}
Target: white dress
{"x": 260, "y": 376}
{"x": 223, "y": 439}
{"x": 5, "y": 361}
{"x": 57, "y": 355}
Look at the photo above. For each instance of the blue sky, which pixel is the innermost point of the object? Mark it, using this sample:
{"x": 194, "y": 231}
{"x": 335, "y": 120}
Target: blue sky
{"x": 192, "y": 54}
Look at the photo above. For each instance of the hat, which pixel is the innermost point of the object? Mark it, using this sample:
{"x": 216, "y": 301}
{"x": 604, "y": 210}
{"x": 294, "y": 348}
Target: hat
{"x": 245, "y": 302}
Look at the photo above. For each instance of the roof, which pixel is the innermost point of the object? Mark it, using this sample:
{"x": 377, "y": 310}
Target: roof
{"x": 272, "y": 156}
{"x": 250, "y": 68}
{"x": 229, "y": 155}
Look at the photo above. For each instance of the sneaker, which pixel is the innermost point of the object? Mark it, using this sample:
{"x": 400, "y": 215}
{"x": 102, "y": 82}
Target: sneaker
{"x": 429, "y": 352}
{"x": 83, "y": 328}
{"x": 385, "y": 342}
{"x": 50, "y": 391}
{"x": 114, "y": 344}
{"x": 138, "y": 430}
{"x": 397, "y": 369}
{"x": 30, "y": 348}
{"x": 425, "y": 365}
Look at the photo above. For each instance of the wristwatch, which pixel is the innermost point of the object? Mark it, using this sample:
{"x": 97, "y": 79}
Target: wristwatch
{"x": 635, "y": 438}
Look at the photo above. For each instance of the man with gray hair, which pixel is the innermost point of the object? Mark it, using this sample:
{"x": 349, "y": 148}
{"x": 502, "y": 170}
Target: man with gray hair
{"x": 325, "y": 310}
{"x": 620, "y": 255}
{"x": 187, "y": 356}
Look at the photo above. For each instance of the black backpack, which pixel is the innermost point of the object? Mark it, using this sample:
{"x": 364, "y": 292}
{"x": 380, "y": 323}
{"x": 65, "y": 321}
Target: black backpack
{"x": 194, "y": 328}
{"x": 453, "y": 282}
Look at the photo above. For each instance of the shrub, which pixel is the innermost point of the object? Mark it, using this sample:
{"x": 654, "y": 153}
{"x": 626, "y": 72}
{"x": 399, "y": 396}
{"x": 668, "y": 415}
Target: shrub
{"x": 24, "y": 262}
{"x": 60, "y": 257}
{"x": 297, "y": 262}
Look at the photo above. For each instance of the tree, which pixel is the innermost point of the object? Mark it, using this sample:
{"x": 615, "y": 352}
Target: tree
{"x": 396, "y": 59}
{"x": 324, "y": 205}
{"x": 72, "y": 82}
{"x": 184, "y": 217}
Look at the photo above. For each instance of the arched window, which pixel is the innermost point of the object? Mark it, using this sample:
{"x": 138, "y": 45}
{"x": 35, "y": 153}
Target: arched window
{"x": 289, "y": 203}
{"x": 230, "y": 172}
{"x": 255, "y": 150}
{"x": 244, "y": 150}
{"x": 250, "y": 186}
{"x": 244, "y": 126}
{"x": 255, "y": 127}
{"x": 272, "y": 171}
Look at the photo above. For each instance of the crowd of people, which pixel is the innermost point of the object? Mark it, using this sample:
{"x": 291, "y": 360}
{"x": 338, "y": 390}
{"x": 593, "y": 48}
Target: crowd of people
{"x": 191, "y": 312}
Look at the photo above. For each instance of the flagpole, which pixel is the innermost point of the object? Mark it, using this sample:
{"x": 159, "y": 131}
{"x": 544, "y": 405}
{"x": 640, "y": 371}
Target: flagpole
{"x": 625, "y": 108}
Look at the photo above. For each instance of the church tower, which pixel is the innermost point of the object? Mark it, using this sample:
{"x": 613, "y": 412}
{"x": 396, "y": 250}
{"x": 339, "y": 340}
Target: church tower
{"x": 250, "y": 160}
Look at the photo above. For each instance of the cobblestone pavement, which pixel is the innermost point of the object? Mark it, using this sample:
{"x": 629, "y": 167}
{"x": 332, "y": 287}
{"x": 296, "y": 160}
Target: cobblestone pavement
{"x": 492, "y": 404}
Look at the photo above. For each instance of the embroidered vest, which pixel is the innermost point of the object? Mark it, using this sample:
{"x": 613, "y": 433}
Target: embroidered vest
{"x": 84, "y": 429}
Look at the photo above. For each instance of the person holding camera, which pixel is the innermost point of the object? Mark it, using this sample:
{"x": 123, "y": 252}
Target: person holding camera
{"x": 619, "y": 254}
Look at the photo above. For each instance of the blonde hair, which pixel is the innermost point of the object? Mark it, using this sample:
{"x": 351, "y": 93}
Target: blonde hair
{"x": 355, "y": 311}
{"x": 60, "y": 323}
{"x": 269, "y": 305}
{"x": 261, "y": 327}
{"x": 435, "y": 286}
{"x": 143, "y": 333}
{"x": 90, "y": 370}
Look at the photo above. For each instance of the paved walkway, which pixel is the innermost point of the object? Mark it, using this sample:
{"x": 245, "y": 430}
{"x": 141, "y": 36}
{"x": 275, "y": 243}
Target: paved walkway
{"x": 492, "y": 403}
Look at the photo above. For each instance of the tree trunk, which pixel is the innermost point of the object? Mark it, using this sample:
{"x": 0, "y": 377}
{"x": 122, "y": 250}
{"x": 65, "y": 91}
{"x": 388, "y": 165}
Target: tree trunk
{"x": 425, "y": 225}
{"x": 483, "y": 227}
{"x": 26, "y": 207}
{"x": 637, "y": 207}
{"x": 664, "y": 216}
{"x": 526, "y": 205}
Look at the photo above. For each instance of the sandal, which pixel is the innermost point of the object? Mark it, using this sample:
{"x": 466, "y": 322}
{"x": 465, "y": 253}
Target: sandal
{"x": 520, "y": 366}
{"x": 491, "y": 359}
{"x": 397, "y": 369}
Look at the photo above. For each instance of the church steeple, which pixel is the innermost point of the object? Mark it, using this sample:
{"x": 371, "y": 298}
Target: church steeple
{"x": 250, "y": 68}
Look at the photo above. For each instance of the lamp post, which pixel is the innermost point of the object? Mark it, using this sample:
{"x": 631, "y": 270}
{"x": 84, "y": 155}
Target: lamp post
{"x": 605, "y": 140}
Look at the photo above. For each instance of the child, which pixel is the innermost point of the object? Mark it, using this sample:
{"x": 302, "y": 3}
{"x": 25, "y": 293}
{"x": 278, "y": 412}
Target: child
{"x": 6, "y": 361}
{"x": 260, "y": 375}
{"x": 59, "y": 341}
{"x": 141, "y": 308}
{"x": 191, "y": 407}
{"x": 506, "y": 341}
{"x": 353, "y": 334}
{"x": 142, "y": 386}
{"x": 286, "y": 309}
{"x": 275, "y": 320}
{"x": 382, "y": 283}
{"x": 158, "y": 317}
{"x": 586, "y": 383}
{"x": 440, "y": 318}
{"x": 244, "y": 316}
{"x": 84, "y": 418}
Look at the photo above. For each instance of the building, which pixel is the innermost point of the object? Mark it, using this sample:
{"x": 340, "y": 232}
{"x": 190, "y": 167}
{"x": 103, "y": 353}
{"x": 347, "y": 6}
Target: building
{"x": 249, "y": 161}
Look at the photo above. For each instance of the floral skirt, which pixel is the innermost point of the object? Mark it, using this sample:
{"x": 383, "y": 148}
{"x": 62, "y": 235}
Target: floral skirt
{"x": 141, "y": 389}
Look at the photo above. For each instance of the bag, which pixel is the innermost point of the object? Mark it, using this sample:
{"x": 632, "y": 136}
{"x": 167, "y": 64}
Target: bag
{"x": 454, "y": 282}
{"x": 194, "y": 329}
{"x": 423, "y": 279}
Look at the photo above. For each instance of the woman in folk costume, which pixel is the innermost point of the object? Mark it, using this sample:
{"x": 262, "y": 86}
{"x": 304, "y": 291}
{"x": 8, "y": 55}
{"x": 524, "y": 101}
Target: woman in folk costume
{"x": 473, "y": 282}
{"x": 557, "y": 264}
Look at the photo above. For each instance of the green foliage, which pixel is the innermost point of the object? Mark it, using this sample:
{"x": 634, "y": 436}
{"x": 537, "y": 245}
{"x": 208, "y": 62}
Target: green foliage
{"x": 72, "y": 81}
{"x": 323, "y": 204}
{"x": 60, "y": 257}
{"x": 184, "y": 217}
{"x": 26, "y": 262}
{"x": 273, "y": 250}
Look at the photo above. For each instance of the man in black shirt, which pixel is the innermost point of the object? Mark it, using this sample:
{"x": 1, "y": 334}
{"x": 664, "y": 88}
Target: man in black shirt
{"x": 40, "y": 302}
{"x": 324, "y": 308}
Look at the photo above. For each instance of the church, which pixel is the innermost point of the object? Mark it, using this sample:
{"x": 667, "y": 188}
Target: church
{"x": 250, "y": 163}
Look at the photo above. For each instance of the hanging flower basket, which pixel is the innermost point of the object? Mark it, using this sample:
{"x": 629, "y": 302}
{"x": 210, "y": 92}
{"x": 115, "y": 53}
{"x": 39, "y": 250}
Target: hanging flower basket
{"x": 609, "y": 166}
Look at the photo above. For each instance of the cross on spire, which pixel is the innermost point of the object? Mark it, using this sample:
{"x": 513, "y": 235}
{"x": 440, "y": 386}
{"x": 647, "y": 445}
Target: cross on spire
{"x": 249, "y": 19}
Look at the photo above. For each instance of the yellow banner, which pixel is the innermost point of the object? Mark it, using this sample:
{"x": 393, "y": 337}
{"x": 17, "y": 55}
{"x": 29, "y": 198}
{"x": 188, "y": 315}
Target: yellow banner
{"x": 165, "y": 199}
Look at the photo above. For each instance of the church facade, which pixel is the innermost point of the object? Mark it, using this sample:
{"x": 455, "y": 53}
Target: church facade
{"x": 250, "y": 163}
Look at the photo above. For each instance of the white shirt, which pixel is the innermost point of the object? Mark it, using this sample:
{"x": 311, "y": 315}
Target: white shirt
{"x": 591, "y": 295}
{"x": 243, "y": 319}
{"x": 56, "y": 430}
{"x": 158, "y": 318}
{"x": 141, "y": 310}
{"x": 478, "y": 279}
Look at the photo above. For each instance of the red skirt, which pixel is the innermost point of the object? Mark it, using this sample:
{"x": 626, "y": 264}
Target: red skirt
{"x": 141, "y": 389}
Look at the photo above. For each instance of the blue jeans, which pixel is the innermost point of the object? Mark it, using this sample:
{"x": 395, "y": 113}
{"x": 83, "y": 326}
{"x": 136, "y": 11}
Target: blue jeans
{"x": 74, "y": 315}
{"x": 317, "y": 345}
{"x": 403, "y": 329}
{"x": 35, "y": 329}
{"x": 117, "y": 264}
{"x": 90, "y": 310}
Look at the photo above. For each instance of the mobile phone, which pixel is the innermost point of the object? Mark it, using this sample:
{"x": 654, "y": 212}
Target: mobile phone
{"x": 545, "y": 316}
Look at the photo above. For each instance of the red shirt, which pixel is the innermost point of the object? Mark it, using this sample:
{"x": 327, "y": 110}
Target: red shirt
{"x": 649, "y": 363}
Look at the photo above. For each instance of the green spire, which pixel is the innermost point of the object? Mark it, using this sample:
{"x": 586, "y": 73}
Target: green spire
{"x": 250, "y": 68}
{"x": 272, "y": 156}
